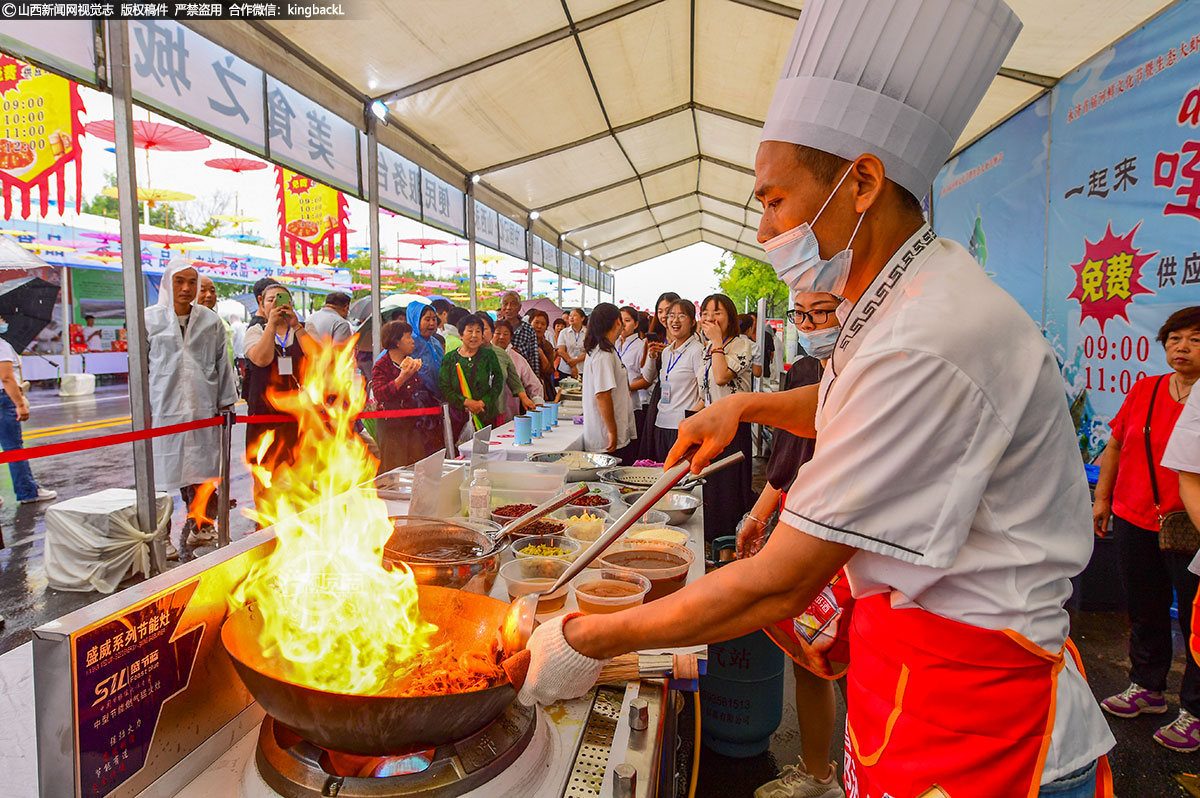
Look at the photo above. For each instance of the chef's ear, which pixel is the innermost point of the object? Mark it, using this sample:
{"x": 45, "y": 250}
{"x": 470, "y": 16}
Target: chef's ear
{"x": 868, "y": 180}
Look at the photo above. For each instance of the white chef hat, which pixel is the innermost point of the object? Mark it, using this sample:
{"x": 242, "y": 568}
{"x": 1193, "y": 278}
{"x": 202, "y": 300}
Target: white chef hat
{"x": 895, "y": 78}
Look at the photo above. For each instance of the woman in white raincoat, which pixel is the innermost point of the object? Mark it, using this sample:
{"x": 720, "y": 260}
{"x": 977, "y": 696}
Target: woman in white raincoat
{"x": 190, "y": 380}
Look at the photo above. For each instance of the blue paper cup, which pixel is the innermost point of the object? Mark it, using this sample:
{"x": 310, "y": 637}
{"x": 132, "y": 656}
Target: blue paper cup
{"x": 523, "y": 426}
{"x": 553, "y": 408}
{"x": 535, "y": 422}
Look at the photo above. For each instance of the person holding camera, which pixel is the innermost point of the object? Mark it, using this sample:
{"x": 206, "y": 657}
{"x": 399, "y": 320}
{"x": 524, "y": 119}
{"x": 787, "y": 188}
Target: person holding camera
{"x": 273, "y": 359}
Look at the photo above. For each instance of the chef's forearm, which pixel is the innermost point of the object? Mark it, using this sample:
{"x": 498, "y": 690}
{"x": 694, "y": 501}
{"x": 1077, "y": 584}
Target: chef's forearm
{"x": 779, "y": 582}
{"x": 794, "y": 411}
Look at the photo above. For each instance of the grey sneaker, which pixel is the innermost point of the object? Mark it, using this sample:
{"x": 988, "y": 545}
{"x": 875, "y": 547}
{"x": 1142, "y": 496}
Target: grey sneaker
{"x": 1135, "y": 700}
{"x": 796, "y": 782}
{"x": 1182, "y": 734}
{"x": 172, "y": 552}
{"x": 204, "y": 536}
{"x": 43, "y": 495}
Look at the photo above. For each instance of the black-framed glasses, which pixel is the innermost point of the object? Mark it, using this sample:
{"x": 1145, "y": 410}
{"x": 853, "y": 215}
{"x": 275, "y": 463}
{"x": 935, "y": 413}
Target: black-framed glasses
{"x": 813, "y": 316}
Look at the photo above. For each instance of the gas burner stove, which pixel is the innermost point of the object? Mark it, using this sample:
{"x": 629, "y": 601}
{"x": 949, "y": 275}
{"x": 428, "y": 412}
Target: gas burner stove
{"x": 295, "y": 768}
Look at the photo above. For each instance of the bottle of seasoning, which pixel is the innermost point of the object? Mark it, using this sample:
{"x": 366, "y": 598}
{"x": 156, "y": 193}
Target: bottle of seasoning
{"x": 479, "y": 497}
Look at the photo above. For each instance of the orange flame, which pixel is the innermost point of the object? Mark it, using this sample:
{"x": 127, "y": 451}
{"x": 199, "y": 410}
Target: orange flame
{"x": 329, "y": 608}
{"x": 198, "y": 509}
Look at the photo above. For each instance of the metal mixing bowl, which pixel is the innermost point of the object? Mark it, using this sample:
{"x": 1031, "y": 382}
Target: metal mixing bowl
{"x": 447, "y": 553}
{"x": 677, "y": 504}
{"x": 584, "y": 466}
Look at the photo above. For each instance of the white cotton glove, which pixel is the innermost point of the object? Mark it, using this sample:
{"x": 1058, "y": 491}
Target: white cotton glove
{"x": 556, "y": 670}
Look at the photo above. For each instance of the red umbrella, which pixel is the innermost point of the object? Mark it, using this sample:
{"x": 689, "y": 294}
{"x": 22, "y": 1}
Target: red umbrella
{"x": 423, "y": 242}
{"x": 306, "y": 275}
{"x": 236, "y": 164}
{"x": 388, "y": 257}
{"x": 407, "y": 280}
{"x": 153, "y": 135}
{"x": 167, "y": 239}
{"x": 104, "y": 253}
{"x": 521, "y": 271}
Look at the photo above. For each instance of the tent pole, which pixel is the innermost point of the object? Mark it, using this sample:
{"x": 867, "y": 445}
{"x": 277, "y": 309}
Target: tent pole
{"x": 558, "y": 257}
{"x": 529, "y": 259}
{"x": 471, "y": 266}
{"x": 135, "y": 287}
{"x": 373, "y": 198}
{"x": 65, "y": 294}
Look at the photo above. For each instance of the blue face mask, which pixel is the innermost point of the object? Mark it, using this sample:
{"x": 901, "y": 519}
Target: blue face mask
{"x": 795, "y": 256}
{"x": 3, "y": 327}
{"x": 819, "y": 343}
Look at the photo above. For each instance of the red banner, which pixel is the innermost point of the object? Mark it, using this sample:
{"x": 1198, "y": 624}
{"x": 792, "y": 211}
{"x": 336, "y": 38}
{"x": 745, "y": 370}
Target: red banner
{"x": 312, "y": 218}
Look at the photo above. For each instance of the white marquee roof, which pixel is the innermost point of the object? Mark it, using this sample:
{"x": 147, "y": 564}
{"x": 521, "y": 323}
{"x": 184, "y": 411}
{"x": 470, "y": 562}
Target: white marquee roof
{"x": 630, "y": 126}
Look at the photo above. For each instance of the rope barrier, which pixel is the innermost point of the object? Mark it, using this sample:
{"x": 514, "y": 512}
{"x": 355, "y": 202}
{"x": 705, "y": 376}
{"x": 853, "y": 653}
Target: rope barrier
{"x": 68, "y": 447}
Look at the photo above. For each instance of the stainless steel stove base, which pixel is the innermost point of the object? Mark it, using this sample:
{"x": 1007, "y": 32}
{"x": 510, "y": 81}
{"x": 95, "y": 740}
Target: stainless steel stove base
{"x": 295, "y": 771}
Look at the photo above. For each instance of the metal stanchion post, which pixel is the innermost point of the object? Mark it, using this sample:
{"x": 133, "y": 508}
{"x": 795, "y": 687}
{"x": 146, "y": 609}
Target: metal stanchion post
{"x": 223, "y": 475}
{"x": 448, "y": 432}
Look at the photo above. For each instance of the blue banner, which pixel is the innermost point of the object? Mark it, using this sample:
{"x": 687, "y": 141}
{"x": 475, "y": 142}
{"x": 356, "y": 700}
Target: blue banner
{"x": 1124, "y": 243}
{"x": 991, "y": 198}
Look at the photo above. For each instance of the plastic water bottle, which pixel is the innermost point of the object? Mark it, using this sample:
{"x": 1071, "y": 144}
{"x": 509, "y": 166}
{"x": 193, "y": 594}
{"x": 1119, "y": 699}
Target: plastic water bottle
{"x": 479, "y": 497}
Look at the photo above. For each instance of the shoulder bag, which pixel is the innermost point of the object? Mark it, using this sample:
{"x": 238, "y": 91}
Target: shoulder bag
{"x": 1176, "y": 532}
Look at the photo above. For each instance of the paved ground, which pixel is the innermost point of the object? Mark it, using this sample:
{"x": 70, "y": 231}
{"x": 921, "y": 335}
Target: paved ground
{"x": 1142, "y": 768}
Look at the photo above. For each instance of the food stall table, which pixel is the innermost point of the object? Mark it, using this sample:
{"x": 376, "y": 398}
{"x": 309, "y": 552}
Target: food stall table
{"x": 566, "y": 437}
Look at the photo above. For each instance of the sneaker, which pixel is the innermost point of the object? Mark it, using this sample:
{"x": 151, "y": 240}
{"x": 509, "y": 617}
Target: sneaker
{"x": 172, "y": 552}
{"x": 206, "y": 536}
{"x": 1135, "y": 700}
{"x": 796, "y": 782}
{"x": 43, "y": 495}
{"x": 1182, "y": 734}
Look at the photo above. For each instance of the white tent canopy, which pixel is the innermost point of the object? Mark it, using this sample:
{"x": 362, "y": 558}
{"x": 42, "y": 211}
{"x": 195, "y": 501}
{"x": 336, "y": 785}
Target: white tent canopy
{"x": 629, "y": 126}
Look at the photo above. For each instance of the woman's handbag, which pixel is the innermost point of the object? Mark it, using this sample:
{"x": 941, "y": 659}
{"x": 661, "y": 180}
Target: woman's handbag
{"x": 1176, "y": 532}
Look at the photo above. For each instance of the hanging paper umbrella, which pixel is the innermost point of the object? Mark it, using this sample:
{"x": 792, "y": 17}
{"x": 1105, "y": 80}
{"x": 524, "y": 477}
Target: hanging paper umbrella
{"x": 153, "y": 135}
{"x": 100, "y": 236}
{"x": 423, "y": 242}
{"x": 407, "y": 280}
{"x": 245, "y": 238}
{"x": 167, "y": 239}
{"x": 521, "y": 271}
{"x": 389, "y": 257}
{"x": 437, "y": 284}
{"x": 236, "y": 164}
{"x": 44, "y": 246}
{"x": 304, "y": 275}
{"x": 191, "y": 246}
{"x": 233, "y": 218}
{"x": 151, "y": 195}
{"x": 104, "y": 253}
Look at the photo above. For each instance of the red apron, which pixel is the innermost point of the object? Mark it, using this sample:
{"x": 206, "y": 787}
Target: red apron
{"x": 933, "y": 702}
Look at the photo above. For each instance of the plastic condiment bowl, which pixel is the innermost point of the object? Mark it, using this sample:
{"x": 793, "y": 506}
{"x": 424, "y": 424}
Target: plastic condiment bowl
{"x": 586, "y": 532}
{"x": 531, "y": 574}
{"x": 590, "y": 587}
{"x": 666, "y": 565}
{"x": 569, "y": 546}
{"x": 660, "y": 532}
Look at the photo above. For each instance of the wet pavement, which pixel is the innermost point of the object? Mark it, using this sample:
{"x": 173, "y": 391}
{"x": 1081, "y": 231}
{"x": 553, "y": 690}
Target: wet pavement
{"x": 1141, "y": 767}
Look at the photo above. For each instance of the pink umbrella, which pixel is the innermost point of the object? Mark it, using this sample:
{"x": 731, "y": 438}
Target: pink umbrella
{"x": 437, "y": 284}
{"x": 153, "y": 135}
{"x": 167, "y": 239}
{"x": 359, "y": 286}
{"x": 236, "y": 164}
{"x": 103, "y": 236}
{"x": 423, "y": 242}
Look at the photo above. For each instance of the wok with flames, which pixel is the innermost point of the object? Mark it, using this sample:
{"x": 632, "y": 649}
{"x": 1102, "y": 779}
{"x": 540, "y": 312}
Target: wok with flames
{"x": 376, "y": 725}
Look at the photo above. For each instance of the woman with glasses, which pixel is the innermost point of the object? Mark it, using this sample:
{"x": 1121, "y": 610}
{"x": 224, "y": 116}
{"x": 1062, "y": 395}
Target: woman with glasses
{"x": 727, "y": 370}
{"x": 813, "y": 664}
{"x": 656, "y": 341}
{"x": 677, "y": 371}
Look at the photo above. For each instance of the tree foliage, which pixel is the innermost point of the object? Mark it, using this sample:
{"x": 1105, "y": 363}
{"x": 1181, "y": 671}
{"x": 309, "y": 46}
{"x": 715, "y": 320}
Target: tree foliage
{"x": 745, "y": 280}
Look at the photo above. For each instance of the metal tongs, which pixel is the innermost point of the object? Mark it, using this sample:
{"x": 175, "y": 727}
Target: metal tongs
{"x": 518, "y": 621}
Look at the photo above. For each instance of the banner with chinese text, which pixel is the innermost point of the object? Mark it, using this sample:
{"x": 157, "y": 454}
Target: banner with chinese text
{"x": 312, "y": 218}
{"x": 1123, "y": 251}
{"x": 991, "y": 198}
{"x": 39, "y": 136}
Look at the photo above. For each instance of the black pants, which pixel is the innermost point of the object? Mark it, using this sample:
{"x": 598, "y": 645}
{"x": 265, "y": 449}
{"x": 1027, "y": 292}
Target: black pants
{"x": 1150, "y": 575}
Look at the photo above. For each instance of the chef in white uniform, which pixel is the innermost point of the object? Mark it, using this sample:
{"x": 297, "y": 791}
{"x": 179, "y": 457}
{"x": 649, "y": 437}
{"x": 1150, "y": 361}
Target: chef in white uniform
{"x": 946, "y": 478}
{"x": 190, "y": 379}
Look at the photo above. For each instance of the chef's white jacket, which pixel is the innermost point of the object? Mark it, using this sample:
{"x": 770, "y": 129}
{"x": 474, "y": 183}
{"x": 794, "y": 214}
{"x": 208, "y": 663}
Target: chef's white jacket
{"x": 1183, "y": 449}
{"x": 945, "y": 453}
